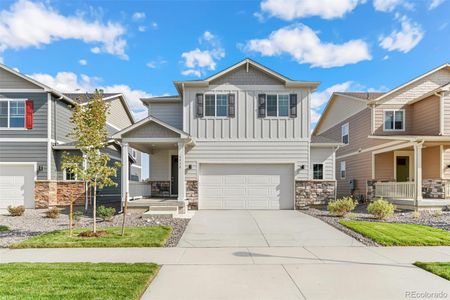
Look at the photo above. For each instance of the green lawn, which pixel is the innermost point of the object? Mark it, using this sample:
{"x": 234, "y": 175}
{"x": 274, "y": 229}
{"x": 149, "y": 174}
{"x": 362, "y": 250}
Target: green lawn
{"x": 438, "y": 268}
{"x": 396, "y": 234}
{"x": 75, "y": 280}
{"x": 4, "y": 228}
{"x": 144, "y": 236}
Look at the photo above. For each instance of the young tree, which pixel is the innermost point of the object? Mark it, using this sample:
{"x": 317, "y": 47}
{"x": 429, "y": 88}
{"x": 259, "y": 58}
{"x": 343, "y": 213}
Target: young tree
{"x": 91, "y": 135}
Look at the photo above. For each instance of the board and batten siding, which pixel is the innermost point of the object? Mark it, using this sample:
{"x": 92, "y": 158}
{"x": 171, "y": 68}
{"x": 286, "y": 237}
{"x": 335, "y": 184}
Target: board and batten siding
{"x": 246, "y": 125}
{"x": 323, "y": 156}
{"x": 26, "y": 152}
{"x": 170, "y": 113}
{"x": 261, "y": 152}
{"x": 40, "y": 117}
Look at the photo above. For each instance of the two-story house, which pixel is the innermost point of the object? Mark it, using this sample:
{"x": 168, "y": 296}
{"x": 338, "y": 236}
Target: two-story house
{"x": 397, "y": 144}
{"x": 239, "y": 139}
{"x": 34, "y": 123}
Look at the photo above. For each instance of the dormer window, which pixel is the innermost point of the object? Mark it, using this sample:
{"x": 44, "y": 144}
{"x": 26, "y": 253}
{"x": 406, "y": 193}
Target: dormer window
{"x": 394, "y": 120}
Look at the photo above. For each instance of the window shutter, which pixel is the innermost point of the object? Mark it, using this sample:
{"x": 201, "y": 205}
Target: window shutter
{"x": 199, "y": 103}
{"x": 261, "y": 105}
{"x": 231, "y": 105}
{"x": 29, "y": 114}
{"x": 293, "y": 105}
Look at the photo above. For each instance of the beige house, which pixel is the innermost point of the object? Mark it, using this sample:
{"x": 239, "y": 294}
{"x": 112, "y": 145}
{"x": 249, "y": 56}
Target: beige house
{"x": 397, "y": 144}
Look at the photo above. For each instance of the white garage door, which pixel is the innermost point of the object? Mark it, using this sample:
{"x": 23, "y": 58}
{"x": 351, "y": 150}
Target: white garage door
{"x": 16, "y": 185}
{"x": 236, "y": 186}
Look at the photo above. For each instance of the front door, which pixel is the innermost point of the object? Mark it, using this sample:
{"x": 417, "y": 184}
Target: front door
{"x": 174, "y": 175}
{"x": 402, "y": 168}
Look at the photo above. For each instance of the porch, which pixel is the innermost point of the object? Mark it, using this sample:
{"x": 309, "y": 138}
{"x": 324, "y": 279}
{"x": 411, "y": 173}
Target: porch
{"x": 413, "y": 174}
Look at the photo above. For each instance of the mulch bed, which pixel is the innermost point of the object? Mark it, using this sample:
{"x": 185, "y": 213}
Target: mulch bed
{"x": 428, "y": 218}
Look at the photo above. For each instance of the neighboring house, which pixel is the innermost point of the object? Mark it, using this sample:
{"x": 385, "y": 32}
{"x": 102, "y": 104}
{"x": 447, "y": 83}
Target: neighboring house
{"x": 397, "y": 144}
{"x": 34, "y": 123}
{"x": 239, "y": 139}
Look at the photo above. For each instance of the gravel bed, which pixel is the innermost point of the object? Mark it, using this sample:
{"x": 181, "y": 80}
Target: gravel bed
{"x": 428, "y": 218}
{"x": 34, "y": 222}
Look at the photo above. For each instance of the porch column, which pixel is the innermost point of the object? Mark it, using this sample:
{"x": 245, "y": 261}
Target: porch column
{"x": 418, "y": 171}
{"x": 125, "y": 167}
{"x": 181, "y": 172}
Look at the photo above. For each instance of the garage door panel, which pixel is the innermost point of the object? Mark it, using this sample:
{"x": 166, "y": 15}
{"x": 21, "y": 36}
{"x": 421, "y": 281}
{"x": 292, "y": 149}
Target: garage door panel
{"x": 229, "y": 186}
{"x": 17, "y": 185}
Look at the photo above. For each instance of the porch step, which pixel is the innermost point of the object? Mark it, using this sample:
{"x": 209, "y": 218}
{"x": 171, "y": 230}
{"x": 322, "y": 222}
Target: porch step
{"x": 164, "y": 208}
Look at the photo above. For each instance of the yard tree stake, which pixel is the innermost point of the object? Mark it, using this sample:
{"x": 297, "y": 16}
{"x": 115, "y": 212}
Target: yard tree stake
{"x": 125, "y": 209}
{"x": 70, "y": 215}
{"x": 90, "y": 164}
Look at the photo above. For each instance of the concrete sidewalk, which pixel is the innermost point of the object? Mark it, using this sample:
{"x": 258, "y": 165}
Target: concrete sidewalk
{"x": 268, "y": 272}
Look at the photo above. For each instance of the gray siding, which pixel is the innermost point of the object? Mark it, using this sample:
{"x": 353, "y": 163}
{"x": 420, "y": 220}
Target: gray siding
{"x": 26, "y": 152}
{"x": 171, "y": 113}
{"x": 240, "y": 76}
{"x": 151, "y": 129}
{"x": 61, "y": 112}
{"x": 39, "y": 129}
{"x": 9, "y": 80}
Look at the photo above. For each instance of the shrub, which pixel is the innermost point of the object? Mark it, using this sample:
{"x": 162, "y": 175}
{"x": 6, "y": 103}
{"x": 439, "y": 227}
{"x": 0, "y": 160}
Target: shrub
{"x": 381, "y": 209}
{"x": 416, "y": 214}
{"x": 76, "y": 216}
{"x": 437, "y": 213}
{"x": 52, "y": 213}
{"x": 16, "y": 211}
{"x": 4, "y": 228}
{"x": 342, "y": 206}
{"x": 106, "y": 213}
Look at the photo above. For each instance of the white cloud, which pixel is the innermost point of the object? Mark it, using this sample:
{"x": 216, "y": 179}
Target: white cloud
{"x": 95, "y": 50}
{"x": 435, "y": 3}
{"x": 386, "y": 5}
{"x": 292, "y": 9}
{"x": 82, "y": 62}
{"x": 318, "y": 99}
{"x": 199, "y": 61}
{"x": 137, "y": 16}
{"x": 156, "y": 63}
{"x": 154, "y": 25}
{"x": 31, "y": 24}
{"x": 405, "y": 39}
{"x": 70, "y": 82}
{"x": 386, "y": 57}
{"x": 142, "y": 28}
{"x": 303, "y": 44}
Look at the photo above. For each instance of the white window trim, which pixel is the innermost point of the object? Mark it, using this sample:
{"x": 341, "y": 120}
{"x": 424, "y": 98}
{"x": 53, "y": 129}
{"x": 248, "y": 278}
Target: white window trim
{"x": 403, "y": 120}
{"x": 215, "y": 106}
{"x": 9, "y": 119}
{"x": 278, "y": 106}
{"x": 346, "y": 125}
{"x": 342, "y": 167}
{"x": 64, "y": 176}
{"x": 323, "y": 170}
{"x": 133, "y": 153}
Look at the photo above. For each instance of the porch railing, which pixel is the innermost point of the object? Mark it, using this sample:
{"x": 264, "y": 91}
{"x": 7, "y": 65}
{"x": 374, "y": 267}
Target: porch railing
{"x": 447, "y": 189}
{"x": 395, "y": 190}
{"x": 139, "y": 189}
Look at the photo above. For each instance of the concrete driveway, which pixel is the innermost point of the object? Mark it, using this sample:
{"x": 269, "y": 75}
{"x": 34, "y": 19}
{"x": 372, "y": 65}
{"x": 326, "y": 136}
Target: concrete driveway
{"x": 260, "y": 228}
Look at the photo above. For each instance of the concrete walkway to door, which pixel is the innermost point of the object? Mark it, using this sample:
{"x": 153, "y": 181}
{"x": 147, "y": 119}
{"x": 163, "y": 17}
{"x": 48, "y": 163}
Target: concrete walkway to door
{"x": 260, "y": 228}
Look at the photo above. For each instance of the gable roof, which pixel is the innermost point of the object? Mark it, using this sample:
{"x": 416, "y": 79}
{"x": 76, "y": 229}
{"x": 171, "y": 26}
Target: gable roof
{"x": 142, "y": 122}
{"x": 362, "y": 95}
{"x": 246, "y": 62}
{"x": 441, "y": 67}
{"x": 161, "y": 99}
{"x": 83, "y": 98}
{"x": 37, "y": 83}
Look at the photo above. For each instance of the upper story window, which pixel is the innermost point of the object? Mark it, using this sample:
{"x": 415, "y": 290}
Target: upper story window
{"x": 318, "y": 171}
{"x": 394, "y": 120}
{"x": 216, "y": 105}
{"x": 345, "y": 133}
{"x": 277, "y": 105}
{"x": 343, "y": 170}
{"x": 12, "y": 113}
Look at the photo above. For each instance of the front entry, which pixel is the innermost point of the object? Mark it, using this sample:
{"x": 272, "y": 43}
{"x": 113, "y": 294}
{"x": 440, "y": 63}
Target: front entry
{"x": 402, "y": 165}
{"x": 174, "y": 175}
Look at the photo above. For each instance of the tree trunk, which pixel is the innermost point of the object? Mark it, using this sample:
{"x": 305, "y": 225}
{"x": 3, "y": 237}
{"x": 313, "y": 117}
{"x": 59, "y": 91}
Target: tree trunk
{"x": 94, "y": 206}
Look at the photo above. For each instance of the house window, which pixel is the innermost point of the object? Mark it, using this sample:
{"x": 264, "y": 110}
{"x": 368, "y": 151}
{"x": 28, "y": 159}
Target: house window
{"x": 277, "y": 105}
{"x": 343, "y": 170}
{"x": 216, "y": 105}
{"x": 133, "y": 153}
{"x": 394, "y": 120}
{"x": 12, "y": 113}
{"x": 67, "y": 175}
{"x": 318, "y": 171}
{"x": 345, "y": 134}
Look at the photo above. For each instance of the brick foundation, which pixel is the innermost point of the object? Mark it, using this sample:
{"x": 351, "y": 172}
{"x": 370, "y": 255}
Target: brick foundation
{"x": 160, "y": 188}
{"x": 58, "y": 193}
{"x": 192, "y": 193}
{"x": 313, "y": 192}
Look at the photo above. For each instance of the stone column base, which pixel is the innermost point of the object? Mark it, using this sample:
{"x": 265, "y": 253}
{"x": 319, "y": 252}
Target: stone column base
{"x": 192, "y": 193}
{"x": 313, "y": 192}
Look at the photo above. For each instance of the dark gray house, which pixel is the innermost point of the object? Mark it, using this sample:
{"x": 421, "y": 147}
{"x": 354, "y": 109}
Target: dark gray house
{"x": 34, "y": 123}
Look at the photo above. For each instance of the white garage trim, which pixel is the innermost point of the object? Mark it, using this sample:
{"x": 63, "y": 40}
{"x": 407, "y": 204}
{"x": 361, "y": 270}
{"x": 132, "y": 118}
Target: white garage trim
{"x": 34, "y": 164}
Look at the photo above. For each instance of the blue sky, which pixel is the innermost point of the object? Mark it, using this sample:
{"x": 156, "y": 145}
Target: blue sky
{"x": 139, "y": 47}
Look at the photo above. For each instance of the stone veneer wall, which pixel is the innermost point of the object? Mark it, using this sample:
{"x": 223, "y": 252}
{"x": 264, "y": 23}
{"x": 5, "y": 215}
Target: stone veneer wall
{"x": 160, "y": 188}
{"x": 311, "y": 192}
{"x": 192, "y": 193}
{"x": 58, "y": 193}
